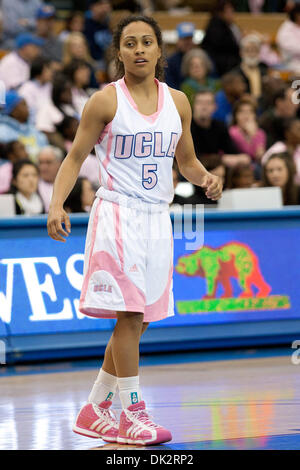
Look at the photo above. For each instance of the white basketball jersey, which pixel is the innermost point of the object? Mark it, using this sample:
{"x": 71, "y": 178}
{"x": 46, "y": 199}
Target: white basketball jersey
{"x": 136, "y": 151}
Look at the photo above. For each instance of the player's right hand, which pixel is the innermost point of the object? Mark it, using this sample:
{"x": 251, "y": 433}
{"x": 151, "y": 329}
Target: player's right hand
{"x": 57, "y": 217}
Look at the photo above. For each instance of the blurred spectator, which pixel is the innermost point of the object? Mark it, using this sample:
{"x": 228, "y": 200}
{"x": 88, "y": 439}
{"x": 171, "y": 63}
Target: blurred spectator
{"x": 245, "y": 133}
{"x": 18, "y": 17}
{"x": 272, "y": 119}
{"x": 288, "y": 40}
{"x": 49, "y": 161}
{"x": 81, "y": 197}
{"x": 53, "y": 113}
{"x": 241, "y": 176}
{"x": 196, "y": 68}
{"x": 211, "y": 136}
{"x": 90, "y": 167}
{"x": 10, "y": 153}
{"x": 76, "y": 47}
{"x": 290, "y": 144}
{"x": 279, "y": 170}
{"x": 74, "y": 24}
{"x": 233, "y": 88}
{"x": 251, "y": 69}
{"x": 222, "y": 37}
{"x": 214, "y": 164}
{"x": 97, "y": 29}
{"x": 25, "y": 188}
{"x": 45, "y": 29}
{"x": 185, "y": 42}
{"x": 37, "y": 91}
{"x": 15, "y": 66}
{"x": 79, "y": 74}
{"x": 15, "y": 125}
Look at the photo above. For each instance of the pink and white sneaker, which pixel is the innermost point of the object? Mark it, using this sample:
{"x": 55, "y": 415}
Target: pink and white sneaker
{"x": 137, "y": 427}
{"x": 97, "y": 421}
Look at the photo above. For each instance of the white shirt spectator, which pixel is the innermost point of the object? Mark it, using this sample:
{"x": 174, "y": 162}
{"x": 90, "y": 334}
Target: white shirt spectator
{"x": 36, "y": 95}
{"x": 288, "y": 40}
{"x": 14, "y": 70}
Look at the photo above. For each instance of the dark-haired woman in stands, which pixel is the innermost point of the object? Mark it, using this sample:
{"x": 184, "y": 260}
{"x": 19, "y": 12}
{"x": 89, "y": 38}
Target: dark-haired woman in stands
{"x": 279, "y": 170}
{"x": 24, "y": 186}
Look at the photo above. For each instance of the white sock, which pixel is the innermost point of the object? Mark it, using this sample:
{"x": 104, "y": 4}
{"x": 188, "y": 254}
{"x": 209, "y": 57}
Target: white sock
{"x": 129, "y": 390}
{"x": 104, "y": 388}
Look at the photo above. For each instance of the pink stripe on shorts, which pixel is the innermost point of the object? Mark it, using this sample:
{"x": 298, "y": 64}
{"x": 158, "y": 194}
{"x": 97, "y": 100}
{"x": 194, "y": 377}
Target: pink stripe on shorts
{"x": 128, "y": 263}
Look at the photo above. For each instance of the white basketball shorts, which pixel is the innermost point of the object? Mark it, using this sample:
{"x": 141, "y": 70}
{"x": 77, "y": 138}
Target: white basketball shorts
{"x": 128, "y": 264}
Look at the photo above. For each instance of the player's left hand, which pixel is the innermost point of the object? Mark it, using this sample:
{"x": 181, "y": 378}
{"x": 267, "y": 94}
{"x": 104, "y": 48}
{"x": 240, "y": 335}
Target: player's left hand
{"x": 213, "y": 186}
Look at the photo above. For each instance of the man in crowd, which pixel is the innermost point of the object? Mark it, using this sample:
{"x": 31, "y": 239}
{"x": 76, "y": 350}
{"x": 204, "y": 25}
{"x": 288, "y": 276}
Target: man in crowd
{"x": 185, "y": 43}
{"x": 97, "y": 30}
{"x": 49, "y": 161}
{"x": 15, "y": 66}
{"x": 45, "y": 29}
{"x": 211, "y": 136}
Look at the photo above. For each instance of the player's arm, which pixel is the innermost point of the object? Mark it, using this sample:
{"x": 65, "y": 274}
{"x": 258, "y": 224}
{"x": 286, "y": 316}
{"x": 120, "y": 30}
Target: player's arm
{"x": 189, "y": 166}
{"x": 98, "y": 111}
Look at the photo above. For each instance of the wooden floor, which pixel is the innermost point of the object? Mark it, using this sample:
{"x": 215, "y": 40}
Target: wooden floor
{"x": 241, "y": 403}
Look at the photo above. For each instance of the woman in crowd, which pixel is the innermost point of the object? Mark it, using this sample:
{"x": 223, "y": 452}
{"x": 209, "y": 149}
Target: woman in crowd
{"x": 196, "y": 68}
{"x": 37, "y": 90}
{"x": 53, "y": 113}
{"x": 241, "y": 177}
{"x": 25, "y": 177}
{"x": 79, "y": 74}
{"x": 290, "y": 144}
{"x": 76, "y": 47}
{"x": 74, "y": 24}
{"x": 81, "y": 197}
{"x": 245, "y": 133}
{"x": 279, "y": 170}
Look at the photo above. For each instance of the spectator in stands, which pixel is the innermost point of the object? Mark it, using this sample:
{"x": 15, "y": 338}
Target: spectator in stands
{"x": 15, "y": 66}
{"x": 25, "y": 188}
{"x": 233, "y": 88}
{"x": 245, "y": 133}
{"x": 215, "y": 165}
{"x": 185, "y": 43}
{"x": 10, "y": 153}
{"x": 251, "y": 69}
{"x": 74, "y": 24}
{"x": 97, "y": 30}
{"x": 222, "y": 37}
{"x": 76, "y": 47}
{"x": 241, "y": 177}
{"x": 81, "y": 197}
{"x": 272, "y": 120}
{"x": 279, "y": 170}
{"x": 196, "y": 68}
{"x": 288, "y": 40}
{"x": 15, "y": 125}
{"x": 45, "y": 29}
{"x": 211, "y": 136}
{"x": 37, "y": 91}
{"x": 53, "y": 113}
{"x": 79, "y": 74}
{"x": 49, "y": 161}
{"x": 289, "y": 144}
{"x": 18, "y": 17}
{"x": 90, "y": 166}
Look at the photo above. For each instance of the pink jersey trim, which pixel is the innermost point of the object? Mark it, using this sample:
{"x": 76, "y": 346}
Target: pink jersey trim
{"x": 118, "y": 232}
{"x": 151, "y": 118}
{"x": 132, "y": 295}
{"x": 107, "y": 156}
{"x": 93, "y": 238}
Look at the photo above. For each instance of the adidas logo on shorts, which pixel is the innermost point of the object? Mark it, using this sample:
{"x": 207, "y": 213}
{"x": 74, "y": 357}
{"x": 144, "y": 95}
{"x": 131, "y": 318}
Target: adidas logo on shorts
{"x": 133, "y": 269}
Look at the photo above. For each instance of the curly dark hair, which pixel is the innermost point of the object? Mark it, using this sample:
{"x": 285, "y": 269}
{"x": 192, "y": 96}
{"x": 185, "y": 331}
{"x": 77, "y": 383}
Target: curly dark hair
{"x": 159, "y": 70}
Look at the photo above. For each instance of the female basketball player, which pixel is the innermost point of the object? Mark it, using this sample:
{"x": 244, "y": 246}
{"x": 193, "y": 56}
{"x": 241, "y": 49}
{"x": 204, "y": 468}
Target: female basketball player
{"x": 136, "y": 124}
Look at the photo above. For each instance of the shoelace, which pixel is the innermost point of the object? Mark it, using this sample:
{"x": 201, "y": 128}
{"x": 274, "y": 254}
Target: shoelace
{"x": 143, "y": 417}
{"x": 107, "y": 415}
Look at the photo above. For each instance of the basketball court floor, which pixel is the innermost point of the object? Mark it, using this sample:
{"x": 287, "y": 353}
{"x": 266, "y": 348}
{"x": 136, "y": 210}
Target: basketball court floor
{"x": 248, "y": 399}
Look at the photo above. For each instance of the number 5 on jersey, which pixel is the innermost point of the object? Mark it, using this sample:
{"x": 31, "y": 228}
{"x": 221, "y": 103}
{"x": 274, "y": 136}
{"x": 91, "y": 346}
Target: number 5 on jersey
{"x": 149, "y": 178}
